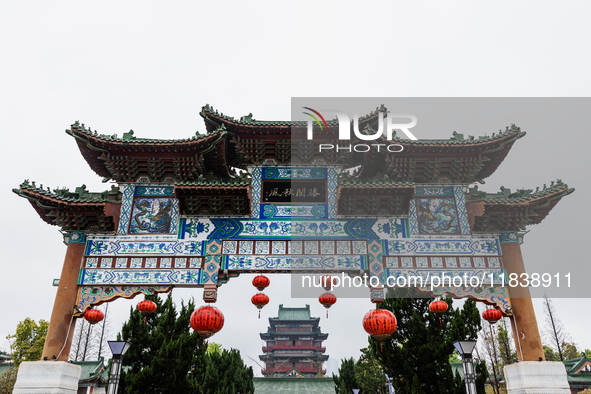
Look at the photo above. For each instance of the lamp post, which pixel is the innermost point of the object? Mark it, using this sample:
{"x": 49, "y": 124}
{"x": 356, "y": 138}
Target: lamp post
{"x": 465, "y": 348}
{"x": 390, "y": 387}
{"x": 118, "y": 348}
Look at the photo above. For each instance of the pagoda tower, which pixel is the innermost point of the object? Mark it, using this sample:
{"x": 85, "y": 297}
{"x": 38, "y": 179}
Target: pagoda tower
{"x": 293, "y": 344}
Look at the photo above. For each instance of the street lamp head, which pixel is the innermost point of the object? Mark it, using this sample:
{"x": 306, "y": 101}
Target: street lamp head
{"x": 356, "y": 391}
{"x": 465, "y": 347}
{"x": 118, "y": 348}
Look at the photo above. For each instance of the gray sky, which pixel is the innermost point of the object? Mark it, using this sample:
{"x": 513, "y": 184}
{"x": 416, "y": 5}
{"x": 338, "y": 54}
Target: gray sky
{"x": 150, "y": 66}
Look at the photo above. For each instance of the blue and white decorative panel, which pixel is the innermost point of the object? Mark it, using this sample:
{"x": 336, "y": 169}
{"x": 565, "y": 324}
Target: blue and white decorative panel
{"x": 310, "y": 247}
{"x": 485, "y": 246}
{"x": 269, "y": 262}
{"x": 293, "y": 173}
{"x": 256, "y": 191}
{"x": 154, "y": 191}
{"x": 412, "y": 218}
{"x": 120, "y": 262}
{"x": 343, "y": 247}
{"x": 118, "y": 247}
{"x": 407, "y": 262}
{"x": 391, "y": 262}
{"x": 295, "y": 247}
{"x": 127, "y": 277}
{"x": 194, "y": 262}
{"x": 126, "y": 202}
{"x": 165, "y": 262}
{"x": 451, "y": 262}
{"x": 434, "y": 191}
{"x": 262, "y": 247}
{"x": 106, "y": 263}
{"x": 422, "y": 262}
{"x": 359, "y": 247}
{"x": 479, "y": 262}
{"x": 136, "y": 262}
{"x": 332, "y": 193}
{"x": 493, "y": 262}
{"x": 315, "y": 211}
{"x": 278, "y": 247}
{"x": 465, "y": 262}
{"x": 151, "y": 262}
{"x": 92, "y": 262}
{"x": 180, "y": 262}
{"x": 391, "y": 228}
{"x": 327, "y": 247}
{"x": 460, "y": 194}
{"x": 246, "y": 247}
{"x": 230, "y": 247}
{"x": 437, "y": 262}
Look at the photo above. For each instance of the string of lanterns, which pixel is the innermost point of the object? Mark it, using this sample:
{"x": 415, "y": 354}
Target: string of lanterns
{"x": 260, "y": 299}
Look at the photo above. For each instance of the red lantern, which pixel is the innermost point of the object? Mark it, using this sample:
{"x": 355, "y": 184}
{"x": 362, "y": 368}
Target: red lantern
{"x": 93, "y": 316}
{"x": 380, "y": 324}
{"x": 327, "y": 300}
{"x": 146, "y": 307}
{"x": 439, "y": 308}
{"x": 260, "y": 300}
{"x": 328, "y": 282}
{"x": 207, "y": 320}
{"x": 492, "y": 315}
{"x": 260, "y": 282}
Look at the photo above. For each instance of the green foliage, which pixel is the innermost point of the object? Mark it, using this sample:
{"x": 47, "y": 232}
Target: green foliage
{"x": 417, "y": 355}
{"x": 588, "y": 353}
{"x": 345, "y": 382}
{"x": 506, "y": 351}
{"x": 369, "y": 374}
{"x": 455, "y": 357}
{"x": 7, "y": 380}
{"x": 569, "y": 351}
{"x": 223, "y": 372}
{"x": 549, "y": 353}
{"x": 28, "y": 341}
{"x": 213, "y": 347}
{"x": 166, "y": 356}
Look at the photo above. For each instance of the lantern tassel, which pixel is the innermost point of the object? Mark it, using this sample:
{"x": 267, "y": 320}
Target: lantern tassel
{"x": 327, "y": 313}
{"x": 259, "y": 313}
{"x": 144, "y": 320}
{"x": 381, "y": 347}
{"x": 440, "y": 323}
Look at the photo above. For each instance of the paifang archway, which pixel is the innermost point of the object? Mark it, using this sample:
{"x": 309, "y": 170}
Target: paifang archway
{"x": 196, "y": 212}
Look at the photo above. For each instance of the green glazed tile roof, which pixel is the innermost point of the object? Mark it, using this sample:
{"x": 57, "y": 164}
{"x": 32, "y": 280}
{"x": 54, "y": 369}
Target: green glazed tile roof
{"x": 294, "y": 313}
{"x": 79, "y": 195}
{"x": 127, "y": 137}
{"x": 293, "y": 385}
{"x": 92, "y": 370}
{"x": 521, "y": 195}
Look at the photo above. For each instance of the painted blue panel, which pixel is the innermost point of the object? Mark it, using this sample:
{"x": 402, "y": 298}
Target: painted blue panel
{"x": 293, "y": 173}
{"x": 154, "y": 191}
{"x": 315, "y": 211}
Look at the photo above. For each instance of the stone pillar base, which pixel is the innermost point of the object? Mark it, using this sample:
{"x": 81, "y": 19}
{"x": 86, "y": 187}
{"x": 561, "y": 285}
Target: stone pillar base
{"x": 47, "y": 377}
{"x": 536, "y": 377}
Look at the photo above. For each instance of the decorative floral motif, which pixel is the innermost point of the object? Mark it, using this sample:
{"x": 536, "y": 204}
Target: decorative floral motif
{"x": 89, "y": 296}
{"x": 144, "y": 277}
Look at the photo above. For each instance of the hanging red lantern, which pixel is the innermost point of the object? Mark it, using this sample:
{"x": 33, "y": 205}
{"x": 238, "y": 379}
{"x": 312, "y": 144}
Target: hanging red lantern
{"x": 207, "y": 320}
{"x": 327, "y": 300}
{"x": 439, "y": 308}
{"x": 492, "y": 315}
{"x": 260, "y": 300}
{"x": 147, "y": 307}
{"x": 260, "y": 282}
{"x": 328, "y": 282}
{"x": 380, "y": 324}
{"x": 93, "y": 316}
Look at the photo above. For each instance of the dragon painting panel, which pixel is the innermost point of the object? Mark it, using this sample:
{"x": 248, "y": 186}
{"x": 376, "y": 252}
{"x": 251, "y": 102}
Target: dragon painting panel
{"x": 437, "y": 216}
{"x": 151, "y": 216}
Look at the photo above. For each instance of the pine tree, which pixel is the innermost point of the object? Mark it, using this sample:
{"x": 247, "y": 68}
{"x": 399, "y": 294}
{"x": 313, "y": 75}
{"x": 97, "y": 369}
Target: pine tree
{"x": 417, "y": 355}
{"x": 166, "y": 356}
{"x": 345, "y": 382}
{"x": 163, "y": 350}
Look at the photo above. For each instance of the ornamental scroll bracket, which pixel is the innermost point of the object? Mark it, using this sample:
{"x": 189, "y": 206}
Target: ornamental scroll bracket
{"x": 497, "y": 296}
{"x": 89, "y": 296}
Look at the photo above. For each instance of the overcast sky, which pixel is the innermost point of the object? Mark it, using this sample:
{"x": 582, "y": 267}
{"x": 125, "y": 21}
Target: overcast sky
{"x": 150, "y": 66}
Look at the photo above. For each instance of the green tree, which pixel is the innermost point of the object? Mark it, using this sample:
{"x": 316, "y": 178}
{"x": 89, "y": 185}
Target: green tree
{"x": 345, "y": 382}
{"x": 223, "y": 373}
{"x": 7, "y": 380}
{"x": 508, "y": 355}
{"x": 417, "y": 354}
{"x": 28, "y": 341}
{"x": 166, "y": 356}
{"x": 549, "y": 353}
{"x": 569, "y": 351}
{"x": 369, "y": 374}
{"x": 588, "y": 353}
{"x": 163, "y": 350}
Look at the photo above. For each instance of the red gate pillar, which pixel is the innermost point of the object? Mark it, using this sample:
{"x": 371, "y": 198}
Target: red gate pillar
{"x": 525, "y": 327}
{"x": 61, "y": 325}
